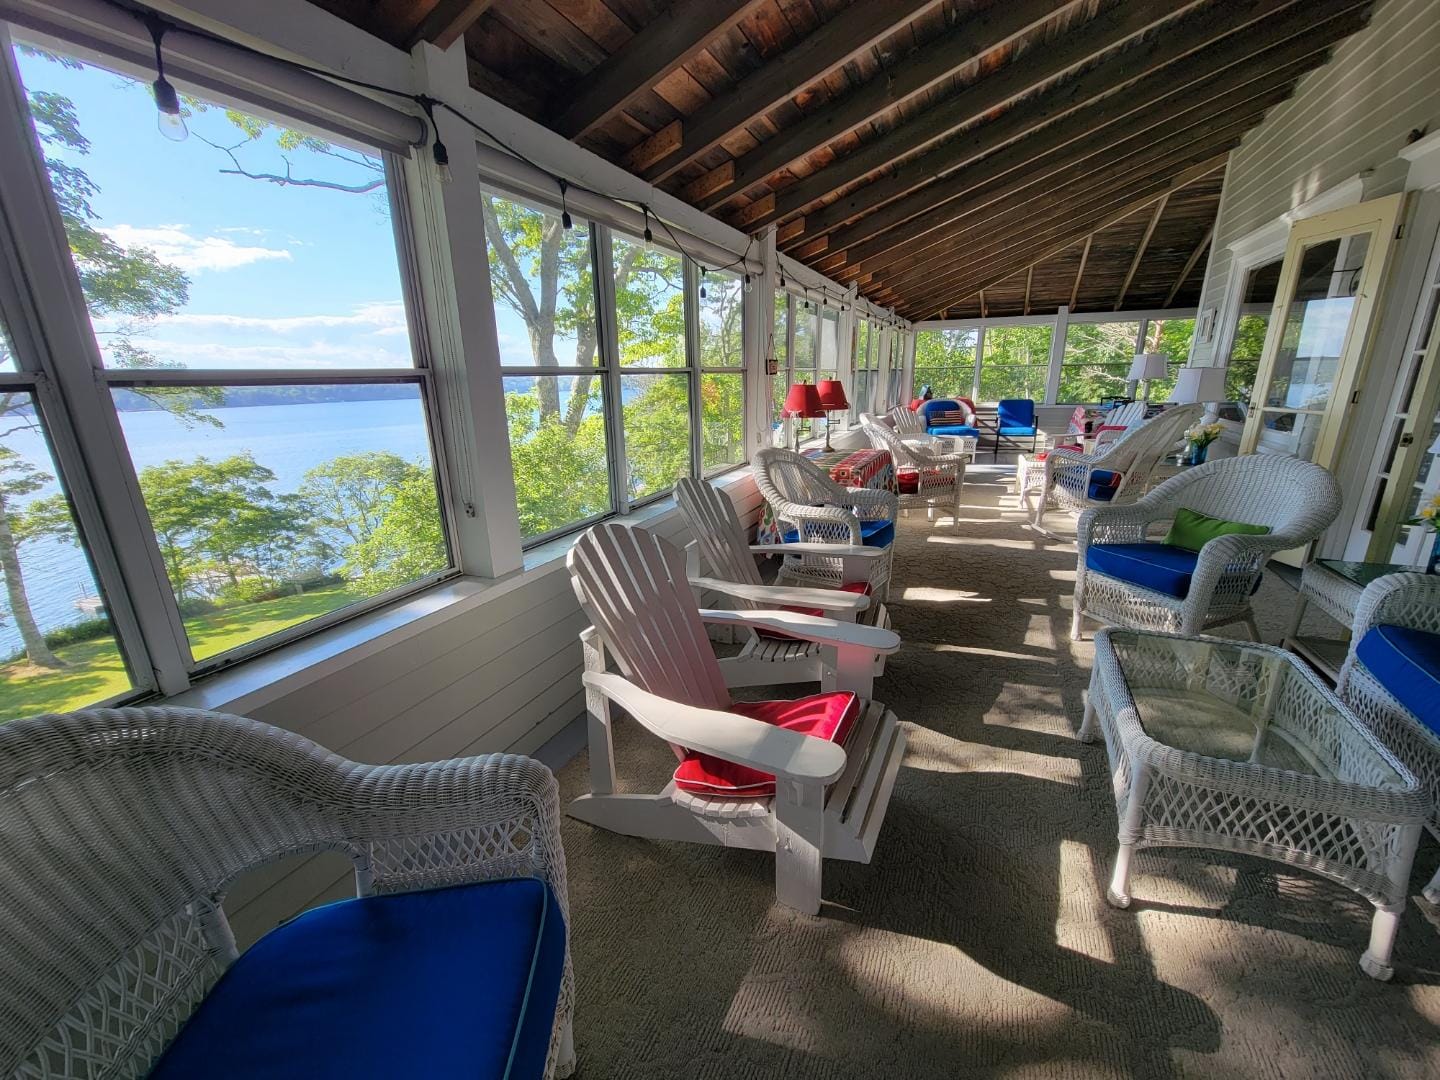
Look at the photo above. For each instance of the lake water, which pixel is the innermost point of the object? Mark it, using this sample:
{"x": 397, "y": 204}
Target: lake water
{"x": 287, "y": 439}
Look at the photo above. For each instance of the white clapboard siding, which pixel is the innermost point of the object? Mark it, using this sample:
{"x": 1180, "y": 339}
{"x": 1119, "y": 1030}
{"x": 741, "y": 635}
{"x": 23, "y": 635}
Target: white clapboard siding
{"x": 1348, "y": 117}
{"x": 503, "y": 675}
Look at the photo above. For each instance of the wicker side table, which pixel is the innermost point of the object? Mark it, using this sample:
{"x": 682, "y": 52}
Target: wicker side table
{"x": 1235, "y": 746}
{"x": 1334, "y": 586}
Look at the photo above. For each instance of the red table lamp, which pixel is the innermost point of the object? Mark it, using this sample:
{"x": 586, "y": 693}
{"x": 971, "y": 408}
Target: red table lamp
{"x": 802, "y": 400}
{"x": 832, "y": 398}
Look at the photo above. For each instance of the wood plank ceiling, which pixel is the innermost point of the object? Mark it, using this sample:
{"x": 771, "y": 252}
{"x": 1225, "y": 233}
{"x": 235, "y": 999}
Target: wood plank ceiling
{"x": 949, "y": 157}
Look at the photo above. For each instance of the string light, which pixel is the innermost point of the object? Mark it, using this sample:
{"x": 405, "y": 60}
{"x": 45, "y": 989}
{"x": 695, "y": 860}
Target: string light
{"x": 438, "y": 151}
{"x": 565, "y": 220}
{"x": 168, "y": 119}
{"x": 649, "y": 237}
{"x": 747, "y": 283}
{"x": 703, "y": 272}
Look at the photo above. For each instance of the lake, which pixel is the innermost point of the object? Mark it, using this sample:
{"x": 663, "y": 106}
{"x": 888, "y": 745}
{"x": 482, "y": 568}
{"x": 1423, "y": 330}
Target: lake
{"x": 287, "y": 439}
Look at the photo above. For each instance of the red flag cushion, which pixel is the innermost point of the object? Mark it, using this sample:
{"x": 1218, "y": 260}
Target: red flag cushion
{"x": 859, "y": 588}
{"x": 825, "y": 716}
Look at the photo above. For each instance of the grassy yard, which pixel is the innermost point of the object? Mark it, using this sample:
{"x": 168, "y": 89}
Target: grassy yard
{"x": 94, "y": 670}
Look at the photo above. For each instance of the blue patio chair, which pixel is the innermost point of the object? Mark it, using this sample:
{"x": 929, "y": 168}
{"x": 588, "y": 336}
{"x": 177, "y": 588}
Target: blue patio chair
{"x": 949, "y": 416}
{"x": 1015, "y": 421}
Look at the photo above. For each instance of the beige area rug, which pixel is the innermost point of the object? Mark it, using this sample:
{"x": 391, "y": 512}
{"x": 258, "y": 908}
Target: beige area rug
{"x": 978, "y": 941}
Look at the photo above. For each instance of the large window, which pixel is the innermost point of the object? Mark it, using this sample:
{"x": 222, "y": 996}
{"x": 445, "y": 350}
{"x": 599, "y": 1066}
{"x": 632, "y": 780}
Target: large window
{"x": 1014, "y": 362}
{"x": 867, "y": 356}
{"x": 780, "y": 381}
{"x": 722, "y": 371}
{"x": 1171, "y": 337}
{"x": 945, "y": 362}
{"x": 246, "y": 298}
{"x": 1097, "y": 362}
{"x": 1242, "y": 364}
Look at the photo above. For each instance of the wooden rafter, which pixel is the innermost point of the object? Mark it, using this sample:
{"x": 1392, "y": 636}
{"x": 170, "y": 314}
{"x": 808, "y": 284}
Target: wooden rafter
{"x": 915, "y": 74}
{"x": 666, "y": 42}
{"x": 1242, "y": 66}
{"x": 1011, "y": 83}
{"x": 446, "y": 22}
{"x": 1080, "y": 273}
{"x": 1190, "y": 264}
{"x": 1150, "y": 227}
{"x": 984, "y": 312}
{"x": 818, "y": 54}
{"x": 1029, "y": 277}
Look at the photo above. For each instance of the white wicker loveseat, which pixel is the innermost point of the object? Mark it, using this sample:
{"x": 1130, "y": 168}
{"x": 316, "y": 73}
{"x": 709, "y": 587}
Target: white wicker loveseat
{"x": 1123, "y": 577}
{"x": 1389, "y": 678}
{"x": 121, "y": 831}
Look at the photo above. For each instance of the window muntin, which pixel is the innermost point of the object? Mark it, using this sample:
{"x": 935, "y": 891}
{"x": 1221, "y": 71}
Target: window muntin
{"x": 277, "y": 276}
{"x": 1097, "y": 362}
{"x": 1015, "y": 362}
{"x": 945, "y": 361}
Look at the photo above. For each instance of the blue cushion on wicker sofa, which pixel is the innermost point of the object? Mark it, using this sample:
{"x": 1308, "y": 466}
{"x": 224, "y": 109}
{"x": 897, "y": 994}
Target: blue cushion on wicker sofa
{"x": 1407, "y": 663}
{"x": 877, "y": 533}
{"x": 460, "y": 981}
{"x": 1161, "y": 568}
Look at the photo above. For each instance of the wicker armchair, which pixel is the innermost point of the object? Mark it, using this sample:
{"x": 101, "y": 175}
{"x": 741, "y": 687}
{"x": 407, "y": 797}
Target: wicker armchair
{"x": 1184, "y": 592}
{"x": 925, "y": 478}
{"x": 122, "y": 830}
{"x": 1410, "y": 602}
{"x": 811, "y": 508}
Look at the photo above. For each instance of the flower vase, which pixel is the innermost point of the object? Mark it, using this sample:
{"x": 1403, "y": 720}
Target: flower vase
{"x": 1195, "y": 454}
{"x": 1434, "y": 565}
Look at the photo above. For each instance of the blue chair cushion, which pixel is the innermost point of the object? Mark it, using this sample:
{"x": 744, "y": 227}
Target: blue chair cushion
{"x": 1102, "y": 487}
{"x": 953, "y": 429}
{"x": 1015, "y": 413}
{"x": 1407, "y": 663}
{"x": 1161, "y": 568}
{"x": 461, "y": 981}
{"x": 877, "y": 533}
{"x": 1012, "y": 430}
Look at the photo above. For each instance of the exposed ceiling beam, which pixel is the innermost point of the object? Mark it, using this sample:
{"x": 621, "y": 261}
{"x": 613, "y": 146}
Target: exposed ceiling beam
{"x": 1026, "y": 213}
{"x": 1029, "y": 277}
{"x": 1071, "y": 228}
{"x": 1119, "y": 161}
{"x": 816, "y": 55}
{"x": 1140, "y": 248}
{"x": 1080, "y": 273}
{"x": 908, "y": 77}
{"x": 1018, "y": 79}
{"x": 1190, "y": 264}
{"x": 1283, "y": 48}
{"x": 446, "y": 22}
{"x": 666, "y": 42}
{"x": 984, "y": 314}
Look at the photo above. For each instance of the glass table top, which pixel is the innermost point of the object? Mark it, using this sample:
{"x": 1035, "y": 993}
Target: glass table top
{"x": 1363, "y": 573}
{"x": 1237, "y": 701}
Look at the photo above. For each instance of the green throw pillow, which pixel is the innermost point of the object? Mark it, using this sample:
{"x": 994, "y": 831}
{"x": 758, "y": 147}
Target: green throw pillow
{"x": 1191, "y": 531}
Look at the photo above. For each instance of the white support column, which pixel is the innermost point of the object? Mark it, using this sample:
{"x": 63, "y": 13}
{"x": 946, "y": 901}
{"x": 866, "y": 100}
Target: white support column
{"x": 881, "y": 338}
{"x": 979, "y": 359}
{"x": 847, "y": 361}
{"x": 1057, "y": 354}
{"x": 460, "y": 324}
{"x": 760, "y": 347}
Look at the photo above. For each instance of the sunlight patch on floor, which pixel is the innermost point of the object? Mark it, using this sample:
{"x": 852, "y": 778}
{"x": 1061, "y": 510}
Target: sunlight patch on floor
{"x": 1085, "y": 873}
{"x": 942, "y": 596}
{"x": 1003, "y": 654}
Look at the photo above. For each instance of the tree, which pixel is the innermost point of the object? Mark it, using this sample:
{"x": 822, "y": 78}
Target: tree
{"x": 19, "y": 478}
{"x": 408, "y": 541}
{"x": 347, "y": 497}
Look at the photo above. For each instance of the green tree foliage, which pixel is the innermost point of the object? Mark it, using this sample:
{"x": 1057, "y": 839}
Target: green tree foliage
{"x": 945, "y": 362}
{"x": 1015, "y": 362}
{"x": 407, "y": 542}
{"x": 18, "y": 478}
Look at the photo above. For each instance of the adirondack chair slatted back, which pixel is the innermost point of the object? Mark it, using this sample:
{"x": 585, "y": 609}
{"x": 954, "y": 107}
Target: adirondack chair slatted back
{"x": 907, "y": 420}
{"x": 633, "y": 587}
{"x": 1140, "y": 448}
{"x": 718, "y": 532}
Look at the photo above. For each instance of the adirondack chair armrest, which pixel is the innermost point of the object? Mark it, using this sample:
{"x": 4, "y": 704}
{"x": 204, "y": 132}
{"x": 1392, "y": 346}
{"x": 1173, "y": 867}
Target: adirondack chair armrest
{"x": 808, "y": 628}
{"x": 788, "y": 755}
{"x": 784, "y": 595}
{"x": 837, "y": 551}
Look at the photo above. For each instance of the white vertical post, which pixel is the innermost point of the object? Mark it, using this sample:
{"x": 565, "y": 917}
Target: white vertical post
{"x": 979, "y": 359}
{"x": 460, "y": 314}
{"x": 1057, "y": 354}
{"x": 847, "y": 365}
{"x": 760, "y": 347}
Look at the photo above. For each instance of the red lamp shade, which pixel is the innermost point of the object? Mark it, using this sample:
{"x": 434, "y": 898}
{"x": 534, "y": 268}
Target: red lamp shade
{"x": 803, "y": 399}
{"x": 832, "y": 394}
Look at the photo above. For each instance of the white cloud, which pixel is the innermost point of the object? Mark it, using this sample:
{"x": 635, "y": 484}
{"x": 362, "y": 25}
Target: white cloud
{"x": 252, "y": 356}
{"x": 175, "y": 245}
{"x": 384, "y": 317}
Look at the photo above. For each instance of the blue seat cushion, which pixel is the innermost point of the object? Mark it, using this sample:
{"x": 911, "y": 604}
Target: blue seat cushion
{"x": 953, "y": 429}
{"x": 1012, "y": 430}
{"x": 1160, "y": 568}
{"x": 1102, "y": 487}
{"x": 461, "y": 981}
{"x": 1407, "y": 663}
{"x": 878, "y": 533}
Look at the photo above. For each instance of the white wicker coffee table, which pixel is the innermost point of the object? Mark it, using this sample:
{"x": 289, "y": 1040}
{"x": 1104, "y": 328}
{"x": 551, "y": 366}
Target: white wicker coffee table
{"x": 1239, "y": 747}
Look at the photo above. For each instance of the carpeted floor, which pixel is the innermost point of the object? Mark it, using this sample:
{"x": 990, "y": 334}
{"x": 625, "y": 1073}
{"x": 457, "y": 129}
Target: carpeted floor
{"x": 978, "y": 941}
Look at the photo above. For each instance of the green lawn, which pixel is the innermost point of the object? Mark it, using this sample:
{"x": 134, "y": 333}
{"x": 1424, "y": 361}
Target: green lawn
{"x": 95, "y": 671}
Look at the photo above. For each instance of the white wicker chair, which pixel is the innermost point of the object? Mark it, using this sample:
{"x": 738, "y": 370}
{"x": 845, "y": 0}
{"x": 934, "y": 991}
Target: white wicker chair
{"x": 805, "y": 500}
{"x": 1130, "y": 461}
{"x": 765, "y": 660}
{"x": 828, "y": 800}
{"x": 938, "y": 478}
{"x": 122, "y": 830}
{"x": 1296, "y": 499}
{"x": 1413, "y": 601}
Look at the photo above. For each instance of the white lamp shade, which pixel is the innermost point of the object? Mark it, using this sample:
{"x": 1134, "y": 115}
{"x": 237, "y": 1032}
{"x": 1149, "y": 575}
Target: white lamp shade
{"x": 1149, "y": 365}
{"x": 1199, "y": 384}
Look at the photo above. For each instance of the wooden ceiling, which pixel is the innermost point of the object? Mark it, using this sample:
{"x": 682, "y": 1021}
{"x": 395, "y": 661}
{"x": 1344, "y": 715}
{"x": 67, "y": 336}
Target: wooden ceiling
{"x": 949, "y": 157}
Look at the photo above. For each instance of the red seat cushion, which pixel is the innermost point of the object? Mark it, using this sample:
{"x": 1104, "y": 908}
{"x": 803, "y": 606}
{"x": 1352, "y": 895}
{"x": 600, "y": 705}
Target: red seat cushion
{"x": 859, "y": 588}
{"x": 1059, "y": 446}
{"x": 825, "y": 716}
{"x": 909, "y": 481}
{"x": 916, "y": 403}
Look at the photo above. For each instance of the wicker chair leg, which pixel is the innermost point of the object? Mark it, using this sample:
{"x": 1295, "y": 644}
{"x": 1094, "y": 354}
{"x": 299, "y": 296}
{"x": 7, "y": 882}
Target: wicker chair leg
{"x": 1375, "y": 961}
{"x": 1431, "y": 892}
{"x": 1119, "y": 892}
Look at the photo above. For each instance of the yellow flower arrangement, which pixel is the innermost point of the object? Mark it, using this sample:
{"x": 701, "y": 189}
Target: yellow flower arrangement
{"x": 1429, "y": 516}
{"x": 1203, "y": 434}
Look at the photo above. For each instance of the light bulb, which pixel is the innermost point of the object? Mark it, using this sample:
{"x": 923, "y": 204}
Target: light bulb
{"x": 747, "y": 283}
{"x": 168, "y": 119}
{"x": 442, "y": 161}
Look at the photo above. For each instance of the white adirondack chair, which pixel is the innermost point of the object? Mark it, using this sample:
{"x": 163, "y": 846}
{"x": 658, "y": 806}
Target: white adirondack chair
{"x": 937, "y": 479}
{"x": 829, "y": 800}
{"x": 804, "y": 498}
{"x": 1124, "y": 467}
{"x": 1118, "y": 421}
{"x": 766, "y": 660}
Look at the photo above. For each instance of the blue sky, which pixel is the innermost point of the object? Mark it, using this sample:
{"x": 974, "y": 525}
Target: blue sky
{"x": 279, "y": 276}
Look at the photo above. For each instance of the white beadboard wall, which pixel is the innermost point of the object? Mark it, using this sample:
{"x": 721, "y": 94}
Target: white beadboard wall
{"x": 1345, "y": 118}
{"x": 501, "y": 676}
